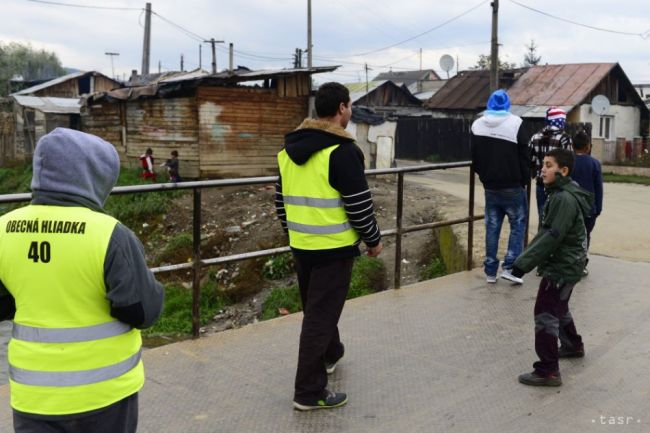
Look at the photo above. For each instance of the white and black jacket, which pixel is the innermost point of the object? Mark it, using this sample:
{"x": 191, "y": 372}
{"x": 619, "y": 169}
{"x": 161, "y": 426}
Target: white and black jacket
{"x": 500, "y": 151}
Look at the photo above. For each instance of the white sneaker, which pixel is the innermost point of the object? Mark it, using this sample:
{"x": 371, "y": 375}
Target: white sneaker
{"x": 491, "y": 279}
{"x": 507, "y": 275}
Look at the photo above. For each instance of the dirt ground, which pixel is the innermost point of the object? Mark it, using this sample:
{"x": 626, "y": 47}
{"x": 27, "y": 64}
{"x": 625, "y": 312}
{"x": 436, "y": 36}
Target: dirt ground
{"x": 242, "y": 219}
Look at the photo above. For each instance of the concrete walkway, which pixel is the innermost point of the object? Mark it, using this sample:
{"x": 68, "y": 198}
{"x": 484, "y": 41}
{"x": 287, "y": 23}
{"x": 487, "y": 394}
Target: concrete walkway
{"x": 621, "y": 230}
{"x": 439, "y": 356}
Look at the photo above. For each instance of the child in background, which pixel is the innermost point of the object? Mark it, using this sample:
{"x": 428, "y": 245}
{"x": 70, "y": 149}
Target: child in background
{"x": 146, "y": 161}
{"x": 172, "y": 167}
{"x": 588, "y": 174}
{"x": 559, "y": 250}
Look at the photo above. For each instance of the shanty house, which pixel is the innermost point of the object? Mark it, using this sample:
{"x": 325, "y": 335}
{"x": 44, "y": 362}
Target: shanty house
{"x": 39, "y": 109}
{"x": 230, "y": 124}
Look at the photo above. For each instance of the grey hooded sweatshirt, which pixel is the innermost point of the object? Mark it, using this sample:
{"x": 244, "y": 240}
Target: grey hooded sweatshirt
{"x": 71, "y": 168}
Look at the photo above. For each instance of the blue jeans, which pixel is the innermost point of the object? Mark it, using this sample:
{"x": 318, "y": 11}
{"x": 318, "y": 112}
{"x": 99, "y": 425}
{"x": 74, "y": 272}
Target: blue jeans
{"x": 498, "y": 204}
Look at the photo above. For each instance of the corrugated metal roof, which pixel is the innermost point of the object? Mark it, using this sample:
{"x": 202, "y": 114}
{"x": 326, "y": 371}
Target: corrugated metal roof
{"x": 405, "y": 76}
{"x": 468, "y": 90}
{"x": 59, "y": 80}
{"x": 50, "y": 83}
{"x": 560, "y": 85}
{"x": 237, "y": 76}
{"x": 49, "y": 104}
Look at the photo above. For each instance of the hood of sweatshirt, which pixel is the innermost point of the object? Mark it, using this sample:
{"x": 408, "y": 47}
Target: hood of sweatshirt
{"x": 584, "y": 198}
{"x": 312, "y": 136}
{"x": 79, "y": 166}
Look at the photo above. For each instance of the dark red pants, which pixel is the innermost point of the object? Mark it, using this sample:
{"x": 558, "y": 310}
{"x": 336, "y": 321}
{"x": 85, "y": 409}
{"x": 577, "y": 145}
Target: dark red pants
{"x": 553, "y": 321}
{"x": 323, "y": 289}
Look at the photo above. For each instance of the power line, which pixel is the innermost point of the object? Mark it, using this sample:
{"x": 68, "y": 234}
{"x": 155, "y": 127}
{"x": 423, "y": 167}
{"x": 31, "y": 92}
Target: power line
{"x": 642, "y": 35}
{"x": 74, "y": 5}
{"x": 424, "y": 32}
{"x": 187, "y": 32}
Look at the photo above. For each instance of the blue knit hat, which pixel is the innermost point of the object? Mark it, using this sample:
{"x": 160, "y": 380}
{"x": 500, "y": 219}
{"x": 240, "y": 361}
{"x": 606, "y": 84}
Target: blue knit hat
{"x": 499, "y": 102}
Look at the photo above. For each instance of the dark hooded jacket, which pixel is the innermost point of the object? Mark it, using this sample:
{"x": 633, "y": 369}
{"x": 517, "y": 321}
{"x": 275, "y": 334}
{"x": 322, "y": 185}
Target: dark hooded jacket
{"x": 346, "y": 175}
{"x": 559, "y": 249}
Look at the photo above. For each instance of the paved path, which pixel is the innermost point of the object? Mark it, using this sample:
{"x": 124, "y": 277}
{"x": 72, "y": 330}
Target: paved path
{"x": 621, "y": 230}
{"x": 439, "y": 356}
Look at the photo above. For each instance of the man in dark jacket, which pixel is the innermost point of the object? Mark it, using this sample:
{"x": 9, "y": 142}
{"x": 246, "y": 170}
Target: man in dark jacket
{"x": 500, "y": 157}
{"x": 559, "y": 251}
{"x": 75, "y": 282}
{"x": 324, "y": 203}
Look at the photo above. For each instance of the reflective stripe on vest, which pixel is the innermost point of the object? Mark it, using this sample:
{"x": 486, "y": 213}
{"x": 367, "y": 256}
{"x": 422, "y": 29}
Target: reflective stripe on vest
{"x": 318, "y": 230}
{"x": 73, "y": 378}
{"x": 316, "y": 217}
{"x": 69, "y": 335}
{"x": 325, "y": 203}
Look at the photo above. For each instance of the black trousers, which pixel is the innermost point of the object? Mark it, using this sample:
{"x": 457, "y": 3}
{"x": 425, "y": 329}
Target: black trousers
{"x": 121, "y": 417}
{"x": 553, "y": 321}
{"x": 323, "y": 288}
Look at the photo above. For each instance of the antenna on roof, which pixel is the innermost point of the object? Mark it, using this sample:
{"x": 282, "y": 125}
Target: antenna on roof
{"x": 447, "y": 63}
{"x": 600, "y": 104}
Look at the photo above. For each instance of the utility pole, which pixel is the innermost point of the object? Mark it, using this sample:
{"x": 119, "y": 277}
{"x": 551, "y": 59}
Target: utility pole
{"x": 231, "y": 57}
{"x": 146, "y": 46}
{"x": 182, "y": 70}
{"x": 214, "y": 53}
{"x": 494, "y": 55}
{"x": 112, "y": 67}
{"x": 200, "y": 58}
{"x": 420, "y": 58}
{"x": 297, "y": 59}
{"x": 365, "y": 66}
{"x": 159, "y": 66}
{"x": 309, "y": 44}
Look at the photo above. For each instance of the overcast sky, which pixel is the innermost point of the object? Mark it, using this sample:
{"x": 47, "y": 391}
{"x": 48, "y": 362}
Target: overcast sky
{"x": 351, "y": 33}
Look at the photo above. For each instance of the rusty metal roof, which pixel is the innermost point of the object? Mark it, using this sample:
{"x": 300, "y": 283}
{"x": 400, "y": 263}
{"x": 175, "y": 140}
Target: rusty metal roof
{"x": 561, "y": 85}
{"x": 468, "y": 90}
{"x": 169, "y": 83}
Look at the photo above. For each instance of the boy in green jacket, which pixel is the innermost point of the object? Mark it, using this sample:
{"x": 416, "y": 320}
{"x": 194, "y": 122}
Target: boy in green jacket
{"x": 559, "y": 251}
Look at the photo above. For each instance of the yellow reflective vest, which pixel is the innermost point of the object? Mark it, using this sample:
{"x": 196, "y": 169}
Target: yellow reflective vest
{"x": 316, "y": 218}
{"x": 67, "y": 354}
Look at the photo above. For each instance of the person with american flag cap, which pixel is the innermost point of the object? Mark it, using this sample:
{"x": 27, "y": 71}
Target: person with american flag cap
{"x": 552, "y": 136}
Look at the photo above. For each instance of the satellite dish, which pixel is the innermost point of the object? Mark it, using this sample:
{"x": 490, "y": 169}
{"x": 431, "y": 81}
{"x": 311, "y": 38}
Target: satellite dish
{"x": 447, "y": 63}
{"x": 600, "y": 104}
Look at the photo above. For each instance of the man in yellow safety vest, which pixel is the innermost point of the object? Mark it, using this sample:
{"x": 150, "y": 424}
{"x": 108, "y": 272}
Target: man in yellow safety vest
{"x": 324, "y": 203}
{"x": 75, "y": 282}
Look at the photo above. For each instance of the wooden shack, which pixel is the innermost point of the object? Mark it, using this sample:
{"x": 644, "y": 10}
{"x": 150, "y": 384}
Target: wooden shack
{"x": 39, "y": 109}
{"x": 230, "y": 124}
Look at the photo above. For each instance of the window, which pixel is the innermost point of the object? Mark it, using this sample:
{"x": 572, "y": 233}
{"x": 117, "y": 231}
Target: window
{"x": 606, "y": 129}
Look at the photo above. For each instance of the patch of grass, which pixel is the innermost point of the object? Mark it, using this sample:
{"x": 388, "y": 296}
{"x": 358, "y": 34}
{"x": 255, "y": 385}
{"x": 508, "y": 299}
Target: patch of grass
{"x": 178, "y": 247}
{"x": 134, "y": 209}
{"x": 626, "y": 178}
{"x": 177, "y": 315}
{"x": 278, "y": 267}
{"x": 282, "y": 297}
{"x": 16, "y": 179}
{"x": 367, "y": 277}
{"x": 434, "y": 269}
